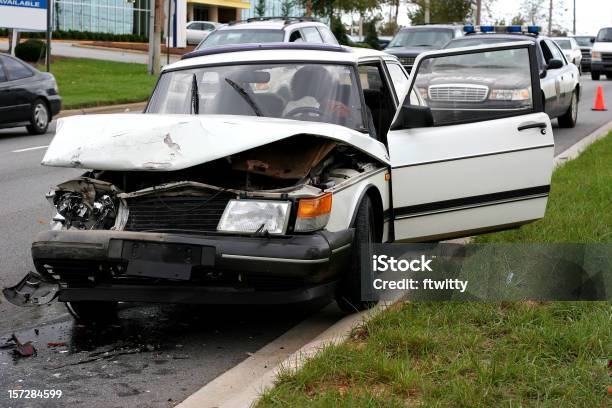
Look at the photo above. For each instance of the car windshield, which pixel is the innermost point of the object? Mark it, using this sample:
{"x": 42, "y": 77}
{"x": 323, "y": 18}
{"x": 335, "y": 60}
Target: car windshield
{"x": 473, "y": 41}
{"x": 583, "y": 41}
{"x": 243, "y": 36}
{"x": 604, "y": 35}
{"x": 488, "y": 60}
{"x": 564, "y": 44}
{"x": 311, "y": 92}
{"x": 421, "y": 38}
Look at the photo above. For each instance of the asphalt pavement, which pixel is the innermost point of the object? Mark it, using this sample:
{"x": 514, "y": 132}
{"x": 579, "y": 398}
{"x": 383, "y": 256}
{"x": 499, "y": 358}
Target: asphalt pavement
{"x": 154, "y": 356}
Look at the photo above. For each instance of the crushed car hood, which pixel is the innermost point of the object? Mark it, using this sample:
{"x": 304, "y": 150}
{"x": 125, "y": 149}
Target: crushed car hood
{"x": 173, "y": 142}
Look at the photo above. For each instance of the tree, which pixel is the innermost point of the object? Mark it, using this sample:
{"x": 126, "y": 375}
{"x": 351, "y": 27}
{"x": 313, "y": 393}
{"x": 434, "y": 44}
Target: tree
{"x": 371, "y": 36}
{"x": 518, "y": 20}
{"x": 440, "y": 11}
{"x": 260, "y": 8}
{"x": 286, "y": 7}
{"x": 534, "y": 11}
{"x": 389, "y": 28}
{"x": 339, "y": 31}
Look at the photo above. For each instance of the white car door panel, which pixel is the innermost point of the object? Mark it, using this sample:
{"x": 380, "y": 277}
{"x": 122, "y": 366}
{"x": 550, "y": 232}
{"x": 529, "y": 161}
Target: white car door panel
{"x": 451, "y": 180}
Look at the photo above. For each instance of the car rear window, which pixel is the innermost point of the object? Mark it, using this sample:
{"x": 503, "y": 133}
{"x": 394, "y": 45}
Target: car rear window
{"x": 242, "y": 36}
{"x": 422, "y": 38}
{"x": 15, "y": 69}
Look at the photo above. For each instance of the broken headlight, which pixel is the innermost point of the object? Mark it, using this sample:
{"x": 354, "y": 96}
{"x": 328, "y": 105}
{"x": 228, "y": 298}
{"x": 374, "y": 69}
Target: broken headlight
{"x": 74, "y": 210}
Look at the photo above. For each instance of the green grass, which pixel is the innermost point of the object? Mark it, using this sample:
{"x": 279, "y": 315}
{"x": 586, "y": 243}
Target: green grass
{"x": 479, "y": 354}
{"x": 86, "y": 82}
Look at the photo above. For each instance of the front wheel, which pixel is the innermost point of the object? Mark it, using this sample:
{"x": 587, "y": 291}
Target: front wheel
{"x": 39, "y": 118}
{"x": 569, "y": 118}
{"x": 595, "y": 76}
{"x": 92, "y": 312}
{"x": 348, "y": 294}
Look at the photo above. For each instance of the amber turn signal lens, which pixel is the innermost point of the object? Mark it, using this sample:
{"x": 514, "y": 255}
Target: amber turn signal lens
{"x": 315, "y": 207}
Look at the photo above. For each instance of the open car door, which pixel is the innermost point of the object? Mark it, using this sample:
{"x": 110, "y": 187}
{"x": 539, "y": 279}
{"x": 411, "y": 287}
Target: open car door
{"x": 471, "y": 149}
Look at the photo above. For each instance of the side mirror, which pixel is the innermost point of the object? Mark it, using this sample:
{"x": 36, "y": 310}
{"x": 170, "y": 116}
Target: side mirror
{"x": 592, "y": 40}
{"x": 413, "y": 116}
{"x": 554, "y": 64}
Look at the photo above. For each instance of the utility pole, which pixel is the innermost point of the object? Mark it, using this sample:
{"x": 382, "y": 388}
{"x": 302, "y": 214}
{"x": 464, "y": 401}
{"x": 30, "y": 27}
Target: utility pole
{"x": 426, "y": 12}
{"x": 478, "y": 11}
{"x": 155, "y": 26}
{"x": 48, "y": 48}
{"x": 168, "y": 32}
{"x": 574, "y": 26}
{"x": 550, "y": 10}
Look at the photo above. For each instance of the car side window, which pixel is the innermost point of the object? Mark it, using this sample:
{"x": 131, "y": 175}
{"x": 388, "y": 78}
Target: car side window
{"x": 312, "y": 35}
{"x": 472, "y": 87}
{"x": 296, "y": 36}
{"x": 208, "y": 27}
{"x": 328, "y": 36}
{"x": 555, "y": 51}
{"x": 378, "y": 98}
{"x": 15, "y": 69}
{"x": 2, "y": 74}
{"x": 398, "y": 78}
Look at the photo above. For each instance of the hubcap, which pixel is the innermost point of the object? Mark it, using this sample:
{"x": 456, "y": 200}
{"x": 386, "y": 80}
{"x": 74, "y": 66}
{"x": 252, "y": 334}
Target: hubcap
{"x": 40, "y": 116}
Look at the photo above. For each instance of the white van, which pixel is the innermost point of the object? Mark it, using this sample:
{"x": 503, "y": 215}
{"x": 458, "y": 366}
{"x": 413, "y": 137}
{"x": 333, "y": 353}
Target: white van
{"x": 601, "y": 54}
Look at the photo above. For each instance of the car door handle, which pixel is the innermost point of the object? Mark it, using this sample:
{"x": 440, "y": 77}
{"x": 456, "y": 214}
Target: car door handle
{"x": 535, "y": 125}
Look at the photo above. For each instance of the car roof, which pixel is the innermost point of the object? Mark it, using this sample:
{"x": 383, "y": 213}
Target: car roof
{"x": 274, "y": 52}
{"x": 427, "y": 26}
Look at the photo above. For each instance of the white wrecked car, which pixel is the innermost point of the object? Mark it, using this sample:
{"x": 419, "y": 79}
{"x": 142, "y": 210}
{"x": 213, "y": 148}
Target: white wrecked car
{"x": 257, "y": 171}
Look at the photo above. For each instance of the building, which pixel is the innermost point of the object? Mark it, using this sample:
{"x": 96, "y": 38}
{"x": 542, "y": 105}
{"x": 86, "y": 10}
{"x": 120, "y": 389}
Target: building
{"x": 222, "y": 11}
{"x": 273, "y": 8}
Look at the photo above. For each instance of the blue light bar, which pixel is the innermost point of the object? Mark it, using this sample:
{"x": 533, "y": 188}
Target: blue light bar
{"x": 487, "y": 29}
{"x": 468, "y": 28}
{"x": 534, "y": 29}
{"x": 514, "y": 29}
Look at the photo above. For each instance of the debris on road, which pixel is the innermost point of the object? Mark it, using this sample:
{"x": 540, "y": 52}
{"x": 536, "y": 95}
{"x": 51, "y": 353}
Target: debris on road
{"x": 56, "y": 344}
{"x": 23, "y": 349}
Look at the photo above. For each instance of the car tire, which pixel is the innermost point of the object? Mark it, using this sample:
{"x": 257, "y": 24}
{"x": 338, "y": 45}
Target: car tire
{"x": 89, "y": 312}
{"x": 569, "y": 118}
{"x": 39, "y": 118}
{"x": 348, "y": 292}
{"x": 595, "y": 76}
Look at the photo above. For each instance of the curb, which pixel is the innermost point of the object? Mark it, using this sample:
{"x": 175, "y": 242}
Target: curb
{"x": 125, "y": 107}
{"x": 242, "y": 385}
{"x": 574, "y": 150}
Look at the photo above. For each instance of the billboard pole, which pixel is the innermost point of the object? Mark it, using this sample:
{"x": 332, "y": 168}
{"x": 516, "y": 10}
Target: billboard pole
{"x": 49, "y": 35}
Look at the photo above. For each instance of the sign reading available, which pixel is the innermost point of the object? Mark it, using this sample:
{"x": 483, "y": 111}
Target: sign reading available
{"x": 25, "y": 15}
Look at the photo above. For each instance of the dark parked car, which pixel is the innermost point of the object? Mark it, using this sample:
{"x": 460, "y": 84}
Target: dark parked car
{"x": 28, "y": 97}
{"x": 409, "y": 42}
{"x": 585, "y": 42}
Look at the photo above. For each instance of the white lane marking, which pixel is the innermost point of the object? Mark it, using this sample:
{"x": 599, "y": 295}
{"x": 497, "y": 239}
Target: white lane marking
{"x": 30, "y": 148}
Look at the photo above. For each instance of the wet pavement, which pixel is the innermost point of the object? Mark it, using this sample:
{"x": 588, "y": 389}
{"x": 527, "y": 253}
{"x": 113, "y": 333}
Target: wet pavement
{"x": 152, "y": 356}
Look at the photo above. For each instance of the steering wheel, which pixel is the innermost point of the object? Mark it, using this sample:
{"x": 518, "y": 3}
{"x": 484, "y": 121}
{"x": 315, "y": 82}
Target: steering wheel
{"x": 301, "y": 110}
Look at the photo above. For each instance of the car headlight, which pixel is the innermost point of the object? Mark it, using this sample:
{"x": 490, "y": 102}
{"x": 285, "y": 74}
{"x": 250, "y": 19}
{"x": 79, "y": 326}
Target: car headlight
{"x": 595, "y": 56}
{"x": 251, "y": 216}
{"x": 510, "y": 94}
{"x": 74, "y": 210}
{"x": 313, "y": 213}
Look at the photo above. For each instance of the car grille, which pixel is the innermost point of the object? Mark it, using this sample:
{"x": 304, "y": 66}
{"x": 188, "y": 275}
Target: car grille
{"x": 458, "y": 93}
{"x": 184, "y": 213}
{"x": 409, "y": 61}
{"x": 586, "y": 53}
{"x": 606, "y": 58}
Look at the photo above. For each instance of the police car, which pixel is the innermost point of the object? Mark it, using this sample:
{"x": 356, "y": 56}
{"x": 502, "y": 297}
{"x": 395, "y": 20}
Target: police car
{"x": 559, "y": 78}
{"x": 259, "y": 173}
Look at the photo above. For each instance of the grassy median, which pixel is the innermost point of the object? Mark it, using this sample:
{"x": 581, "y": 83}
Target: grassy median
{"x": 478, "y": 354}
{"x": 87, "y": 82}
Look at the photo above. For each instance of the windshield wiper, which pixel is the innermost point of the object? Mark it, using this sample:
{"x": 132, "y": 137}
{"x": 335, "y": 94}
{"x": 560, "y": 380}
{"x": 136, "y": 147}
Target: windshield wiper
{"x": 195, "y": 97}
{"x": 245, "y": 96}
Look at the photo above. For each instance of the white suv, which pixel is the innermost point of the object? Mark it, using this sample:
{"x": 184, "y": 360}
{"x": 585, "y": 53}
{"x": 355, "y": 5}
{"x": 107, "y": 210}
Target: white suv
{"x": 270, "y": 29}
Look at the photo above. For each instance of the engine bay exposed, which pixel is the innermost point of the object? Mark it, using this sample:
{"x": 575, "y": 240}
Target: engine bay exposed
{"x": 194, "y": 198}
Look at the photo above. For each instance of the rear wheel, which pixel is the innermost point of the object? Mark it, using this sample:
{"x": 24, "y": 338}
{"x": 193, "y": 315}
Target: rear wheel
{"x": 348, "y": 294}
{"x": 569, "y": 118}
{"x": 39, "y": 118}
{"x": 92, "y": 312}
{"x": 595, "y": 76}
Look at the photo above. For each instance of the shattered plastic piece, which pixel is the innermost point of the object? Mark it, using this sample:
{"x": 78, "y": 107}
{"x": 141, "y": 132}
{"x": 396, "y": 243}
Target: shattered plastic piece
{"x": 56, "y": 344}
{"x": 23, "y": 349}
{"x": 32, "y": 290}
